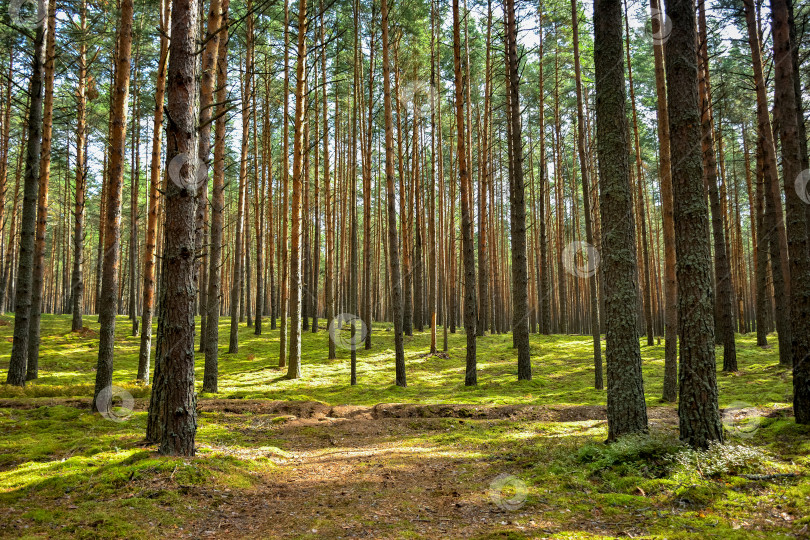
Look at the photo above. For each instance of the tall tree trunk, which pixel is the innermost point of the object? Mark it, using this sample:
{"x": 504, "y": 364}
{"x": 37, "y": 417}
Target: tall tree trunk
{"x": 352, "y": 208}
{"x": 294, "y": 368}
{"x": 148, "y": 307}
{"x": 77, "y": 280}
{"x": 640, "y": 200}
{"x": 108, "y": 301}
{"x": 434, "y": 165}
{"x": 626, "y": 409}
{"x": 517, "y": 206}
{"x": 366, "y": 285}
{"x": 785, "y": 117}
{"x": 32, "y": 371}
{"x": 327, "y": 199}
{"x": 586, "y": 203}
{"x": 4, "y": 163}
{"x": 483, "y": 179}
{"x": 285, "y": 168}
{"x": 722, "y": 270}
{"x": 468, "y": 249}
{"x": 207, "y": 89}
{"x": 670, "y": 392}
{"x": 698, "y": 409}
{"x": 258, "y": 222}
{"x": 210, "y": 373}
{"x": 134, "y": 181}
{"x": 18, "y": 363}
{"x": 544, "y": 294}
{"x": 240, "y": 253}
{"x": 772, "y": 235}
{"x": 393, "y": 244}
{"x": 175, "y": 359}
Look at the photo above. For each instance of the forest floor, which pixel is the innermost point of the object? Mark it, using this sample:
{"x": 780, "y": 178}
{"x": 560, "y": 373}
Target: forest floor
{"x": 318, "y": 458}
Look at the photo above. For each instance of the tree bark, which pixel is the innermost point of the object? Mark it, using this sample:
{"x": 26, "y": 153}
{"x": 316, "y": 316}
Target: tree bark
{"x": 785, "y": 117}
{"x": 108, "y": 301}
{"x": 294, "y": 367}
{"x": 517, "y": 207}
{"x": 586, "y": 204}
{"x": 670, "y": 392}
{"x": 32, "y": 371}
{"x": 210, "y": 374}
{"x": 240, "y": 253}
{"x": 179, "y": 291}
{"x": 327, "y": 199}
{"x": 207, "y": 89}
{"x": 626, "y": 408}
{"x": 722, "y": 270}
{"x": 698, "y": 409}
{"x": 467, "y": 248}
{"x": 18, "y": 363}
{"x": 285, "y": 168}
{"x": 148, "y": 308}
{"x": 393, "y": 244}
{"x": 77, "y": 279}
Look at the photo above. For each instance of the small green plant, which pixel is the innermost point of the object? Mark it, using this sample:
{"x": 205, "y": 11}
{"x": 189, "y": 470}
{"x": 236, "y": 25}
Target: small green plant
{"x": 720, "y": 459}
{"x": 646, "y": 454}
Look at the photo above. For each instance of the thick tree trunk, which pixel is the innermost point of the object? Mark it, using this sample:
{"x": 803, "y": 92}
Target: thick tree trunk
{"x": 179, "y": 290}
{"x": 785, "y": 117}
{"x": 32, "y": 371}
{"x": 626, "y": 409}
{"x": 18, "y": 363}
{"x": 698, "y": 409}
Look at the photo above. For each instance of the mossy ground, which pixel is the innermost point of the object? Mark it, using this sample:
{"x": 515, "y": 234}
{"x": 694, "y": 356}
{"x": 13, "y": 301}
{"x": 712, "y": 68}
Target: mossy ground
{"x": 65, "y": 472}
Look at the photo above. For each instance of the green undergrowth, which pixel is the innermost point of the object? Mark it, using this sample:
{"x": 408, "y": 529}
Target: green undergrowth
{"x": 648, "y": 485}
{"x": 561, "y": 367}
{"x": 71, "y": 473}
{"x": 68, "y": 473}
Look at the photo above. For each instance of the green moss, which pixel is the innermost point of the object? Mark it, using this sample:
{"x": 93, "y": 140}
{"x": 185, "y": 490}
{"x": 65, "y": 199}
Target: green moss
{"x": 562, "y": 369}
{"x": 68, "y": 473}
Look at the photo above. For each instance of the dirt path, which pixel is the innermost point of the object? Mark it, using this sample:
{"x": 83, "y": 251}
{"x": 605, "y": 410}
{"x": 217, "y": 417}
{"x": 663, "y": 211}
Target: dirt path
{"x": 349, "y": 478}
{"x": 373, "y": 472}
